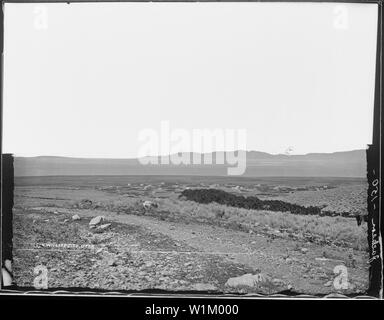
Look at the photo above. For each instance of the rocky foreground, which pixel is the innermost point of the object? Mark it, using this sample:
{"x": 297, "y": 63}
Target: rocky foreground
{"x": 103, "y": 250}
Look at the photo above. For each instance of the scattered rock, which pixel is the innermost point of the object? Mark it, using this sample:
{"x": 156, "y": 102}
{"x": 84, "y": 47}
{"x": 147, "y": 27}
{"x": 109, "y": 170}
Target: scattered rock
{"x": 66, "y": 220}
{"x": 96, "y": 220}
{"x": 247, "y": 280}
{"x": 172, "y": 228}
{"x": 328, "y": 284}
{"x": 76, "y": 217}
{"x": 304, "y": 250}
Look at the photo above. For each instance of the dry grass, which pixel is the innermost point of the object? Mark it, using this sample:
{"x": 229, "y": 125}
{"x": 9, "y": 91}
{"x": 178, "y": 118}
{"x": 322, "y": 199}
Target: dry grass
{"x": 348, "y": 198}
{"x": 337, "y": 230}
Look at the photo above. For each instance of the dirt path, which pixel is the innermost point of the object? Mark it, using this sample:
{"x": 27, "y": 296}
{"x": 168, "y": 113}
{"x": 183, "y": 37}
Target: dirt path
{"x": 301, "y": 267}
{"x": 121, "y": 257}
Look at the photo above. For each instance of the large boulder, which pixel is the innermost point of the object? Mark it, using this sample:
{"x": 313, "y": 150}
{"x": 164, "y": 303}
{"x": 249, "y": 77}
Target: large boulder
{"x": 95, "y": 221}
{"x": 247, "y": 280}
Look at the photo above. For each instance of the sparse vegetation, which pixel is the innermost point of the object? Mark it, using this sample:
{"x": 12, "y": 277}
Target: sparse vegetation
{"x": 336, "y": 230}
{"x": 284, "y": 236}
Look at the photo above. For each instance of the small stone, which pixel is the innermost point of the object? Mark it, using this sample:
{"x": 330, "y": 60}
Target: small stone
{"x": 328, "y": 284}
{"x": 104, "y": 226}
{"x": 321, "y": 259}
{"x": 112, "y": 262}
{"x": 76, "y": 217}
{"x": 85, "y": 204}
{"x": 304, "y": 250}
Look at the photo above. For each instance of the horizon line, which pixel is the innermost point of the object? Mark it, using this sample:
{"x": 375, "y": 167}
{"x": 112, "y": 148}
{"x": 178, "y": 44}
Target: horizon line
{"x": 181, "y": 152}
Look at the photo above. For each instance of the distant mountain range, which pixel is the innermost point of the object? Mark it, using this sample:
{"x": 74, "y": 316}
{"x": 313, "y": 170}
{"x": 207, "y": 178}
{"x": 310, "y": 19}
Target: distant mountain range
{"x": 259, "y": 164}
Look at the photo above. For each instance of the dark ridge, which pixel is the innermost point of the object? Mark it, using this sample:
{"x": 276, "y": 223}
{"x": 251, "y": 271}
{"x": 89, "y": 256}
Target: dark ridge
{"x": 222, "y": 197}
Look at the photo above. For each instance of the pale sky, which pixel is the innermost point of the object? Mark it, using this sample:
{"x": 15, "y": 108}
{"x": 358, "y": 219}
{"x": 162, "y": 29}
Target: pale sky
{"x": 83, "y": 80}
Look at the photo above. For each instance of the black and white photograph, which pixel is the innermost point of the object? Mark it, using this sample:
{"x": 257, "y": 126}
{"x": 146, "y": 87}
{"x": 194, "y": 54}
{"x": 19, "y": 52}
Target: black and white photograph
{"x": 190, "y": 147}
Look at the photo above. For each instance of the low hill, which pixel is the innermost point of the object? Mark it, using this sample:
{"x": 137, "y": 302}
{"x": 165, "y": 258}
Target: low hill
{"x": 259, "y": 164}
